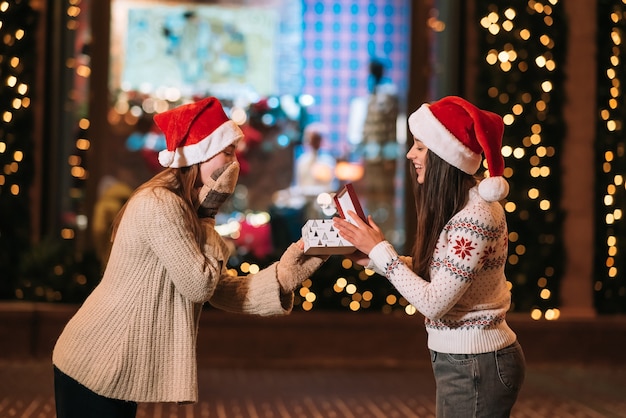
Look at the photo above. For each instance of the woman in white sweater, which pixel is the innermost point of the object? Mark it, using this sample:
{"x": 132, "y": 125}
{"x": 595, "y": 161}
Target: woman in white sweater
{"x": 455, "y": 276}
{"x": 134, "y": 338}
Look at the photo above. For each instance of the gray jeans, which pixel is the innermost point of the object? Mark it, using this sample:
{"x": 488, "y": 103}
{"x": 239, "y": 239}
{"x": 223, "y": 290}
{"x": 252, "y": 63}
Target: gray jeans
{"x": 478, "y": 385}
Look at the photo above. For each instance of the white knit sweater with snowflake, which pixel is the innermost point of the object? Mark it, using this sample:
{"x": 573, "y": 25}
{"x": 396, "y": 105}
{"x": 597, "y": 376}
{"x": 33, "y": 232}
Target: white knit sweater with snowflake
{"x": 134, "y": 338}
{"x": 466, "y": 301}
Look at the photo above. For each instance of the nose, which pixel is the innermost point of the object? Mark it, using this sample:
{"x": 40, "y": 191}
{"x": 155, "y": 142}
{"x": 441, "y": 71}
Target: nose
{"x": 408, "y": 154}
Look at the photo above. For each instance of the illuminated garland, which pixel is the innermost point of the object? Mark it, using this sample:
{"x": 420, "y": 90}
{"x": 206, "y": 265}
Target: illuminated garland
{"x": 610, "y": 157}
{"x": 17, "y": 73}
{"x": 521, "y": 59}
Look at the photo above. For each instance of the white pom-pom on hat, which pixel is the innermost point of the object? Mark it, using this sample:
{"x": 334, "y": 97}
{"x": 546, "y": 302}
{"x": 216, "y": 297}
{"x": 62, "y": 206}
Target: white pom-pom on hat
{"x": 493, "y": 189}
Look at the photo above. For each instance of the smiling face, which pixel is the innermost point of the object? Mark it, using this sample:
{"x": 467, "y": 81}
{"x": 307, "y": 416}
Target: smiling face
{"x": 417, "y": 156}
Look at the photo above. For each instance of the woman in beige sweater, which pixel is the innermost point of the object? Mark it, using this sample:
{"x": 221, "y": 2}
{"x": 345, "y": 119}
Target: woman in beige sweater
{"x": 134, "y": 338}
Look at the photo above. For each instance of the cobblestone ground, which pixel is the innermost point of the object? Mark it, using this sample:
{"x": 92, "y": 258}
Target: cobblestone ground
{"x": 549, "y": 391}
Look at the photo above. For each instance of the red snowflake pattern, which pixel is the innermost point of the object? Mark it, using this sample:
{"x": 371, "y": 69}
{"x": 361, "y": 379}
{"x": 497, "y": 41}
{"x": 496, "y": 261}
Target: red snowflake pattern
{"x": 463, "y": 248}
{"x": 489, "y": 251}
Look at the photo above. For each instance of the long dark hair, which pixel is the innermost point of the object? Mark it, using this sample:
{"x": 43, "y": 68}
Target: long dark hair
{"x": 182, "y": 182}
{"x": 443, "y": 194}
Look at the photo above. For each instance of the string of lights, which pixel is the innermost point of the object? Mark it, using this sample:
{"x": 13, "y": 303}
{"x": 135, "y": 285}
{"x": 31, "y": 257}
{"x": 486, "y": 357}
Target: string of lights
{"x": 522, "y": 52}
{"x": 17, "y": 75}
{"x": 610, "y": 259}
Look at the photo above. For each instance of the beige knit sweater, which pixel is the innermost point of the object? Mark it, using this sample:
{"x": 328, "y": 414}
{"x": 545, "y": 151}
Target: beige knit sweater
{"x": 134, "y": 338}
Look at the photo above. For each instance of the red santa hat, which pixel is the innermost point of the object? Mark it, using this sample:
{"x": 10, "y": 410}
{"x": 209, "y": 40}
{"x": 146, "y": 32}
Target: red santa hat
{"x": 195, "y": 132}
{"x": 459, "y": 132}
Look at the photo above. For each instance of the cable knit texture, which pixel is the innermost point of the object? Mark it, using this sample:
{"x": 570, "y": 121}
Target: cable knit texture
{"x": 134, "y": 338}
{"x": 466, "y": 301}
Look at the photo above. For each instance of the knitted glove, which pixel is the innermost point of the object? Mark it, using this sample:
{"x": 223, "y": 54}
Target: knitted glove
{"x": 294, "y": 267}
{"x": 221, "y": 185}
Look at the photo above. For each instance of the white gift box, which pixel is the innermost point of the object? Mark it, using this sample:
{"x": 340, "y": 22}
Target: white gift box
{"x": 321, "y": 238}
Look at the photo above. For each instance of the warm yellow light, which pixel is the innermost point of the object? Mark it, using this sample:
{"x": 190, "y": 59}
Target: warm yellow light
{"x": 540, "y": 61}
{"x": 83, "y": 71}
{"x": 541, "y": 105}
{"x": 82, "y": 144}
{"x": 524, "y": 34}
{"x": 611, "y": 241}
{"x": 349, "y": 171}
{"x": 536, "y": 314}
{"x": 615, "y": 37}
{"x": 510, "y": 207}
{"x": 546, "y": 86}
{"x": 610, "y": 73}
{"x": 67, "y": 233}
{"x": 552, "y": 314}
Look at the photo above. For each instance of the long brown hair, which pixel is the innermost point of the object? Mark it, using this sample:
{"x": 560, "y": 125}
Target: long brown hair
{"x": 182, "y": 182}
{"x": 443, "y": 194}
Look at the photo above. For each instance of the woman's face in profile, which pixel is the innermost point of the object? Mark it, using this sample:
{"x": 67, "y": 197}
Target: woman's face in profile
{"x": 417, "y": 156}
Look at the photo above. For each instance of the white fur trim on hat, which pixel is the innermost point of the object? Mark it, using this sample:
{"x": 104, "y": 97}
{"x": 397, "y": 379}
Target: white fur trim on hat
{"x": 427, "y": 128}
{"x": 226, "y": 134}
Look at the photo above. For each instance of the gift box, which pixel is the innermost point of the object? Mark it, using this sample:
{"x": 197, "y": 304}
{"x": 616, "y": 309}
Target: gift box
{"x": 321, "y": 238}
{"x": 347, "y": 200}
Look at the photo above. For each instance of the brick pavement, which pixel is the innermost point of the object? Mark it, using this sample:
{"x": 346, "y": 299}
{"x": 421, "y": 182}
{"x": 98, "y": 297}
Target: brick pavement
{"x": 567, "y": 391}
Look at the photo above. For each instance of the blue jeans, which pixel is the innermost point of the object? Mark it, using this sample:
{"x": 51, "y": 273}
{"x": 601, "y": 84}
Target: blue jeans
{"x": 478, "y": 385}
{"x": 74, "y": 400}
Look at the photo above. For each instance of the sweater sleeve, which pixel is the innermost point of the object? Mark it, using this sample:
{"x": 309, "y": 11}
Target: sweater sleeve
{"x": 160, "y": 217}
{"x": 257, "y": 294}
{"x": 456, "y": 261}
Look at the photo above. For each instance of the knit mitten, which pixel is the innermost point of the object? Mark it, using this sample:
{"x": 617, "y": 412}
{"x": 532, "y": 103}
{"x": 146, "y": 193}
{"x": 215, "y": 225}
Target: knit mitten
{"x": 221, "y": 185}
{"x": 294, "y": 267}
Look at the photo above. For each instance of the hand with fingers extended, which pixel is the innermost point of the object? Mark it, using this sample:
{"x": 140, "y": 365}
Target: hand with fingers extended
{"x": 294, "y": 266}
{"x": 364, "y": 235}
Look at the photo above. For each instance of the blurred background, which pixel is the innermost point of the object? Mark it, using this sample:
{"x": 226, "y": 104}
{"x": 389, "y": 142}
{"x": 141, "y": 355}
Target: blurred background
{"x": 322, "y": 90}
{"x": 81, "y": 79}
